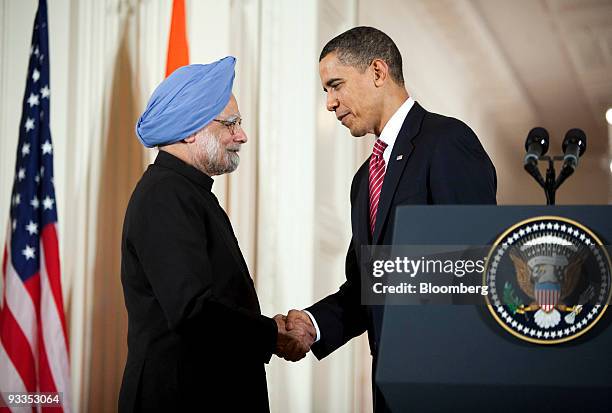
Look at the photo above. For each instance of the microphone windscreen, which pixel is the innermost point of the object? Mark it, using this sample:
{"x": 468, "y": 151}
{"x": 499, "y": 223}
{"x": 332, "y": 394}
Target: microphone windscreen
{"x": 577, "y": 137}
{"x": 537, "y": 135}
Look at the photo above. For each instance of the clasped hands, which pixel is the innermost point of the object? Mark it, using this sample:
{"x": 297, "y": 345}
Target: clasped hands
{"x": 295, "y": 335}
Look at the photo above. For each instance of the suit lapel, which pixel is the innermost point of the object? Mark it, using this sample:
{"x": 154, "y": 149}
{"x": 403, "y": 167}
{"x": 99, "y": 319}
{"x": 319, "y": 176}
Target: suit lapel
{"x": 361, "y": 220}
{"x": 402, "y": 149}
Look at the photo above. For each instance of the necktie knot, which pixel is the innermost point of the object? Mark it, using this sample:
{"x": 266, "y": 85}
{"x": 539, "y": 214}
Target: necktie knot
{"x": 379, "y": 148}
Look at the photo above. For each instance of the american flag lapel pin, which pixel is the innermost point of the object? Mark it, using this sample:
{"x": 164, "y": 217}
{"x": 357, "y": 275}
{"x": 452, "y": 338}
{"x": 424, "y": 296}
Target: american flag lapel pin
{"x": 399, "y": 157}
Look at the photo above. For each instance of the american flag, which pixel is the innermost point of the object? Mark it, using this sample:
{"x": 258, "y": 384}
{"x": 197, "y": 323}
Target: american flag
{"x": 33, "y": 339}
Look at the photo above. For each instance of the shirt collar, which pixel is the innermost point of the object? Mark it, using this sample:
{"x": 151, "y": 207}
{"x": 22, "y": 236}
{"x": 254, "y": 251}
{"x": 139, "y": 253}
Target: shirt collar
{"x": 167, "y": 160}
{"x": 394, "y": 124}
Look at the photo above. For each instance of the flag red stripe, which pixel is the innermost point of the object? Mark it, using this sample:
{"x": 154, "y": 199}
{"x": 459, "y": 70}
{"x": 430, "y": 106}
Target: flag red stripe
{"x": 17, "y": 348}
{"x": 32, "y": 286}
{"x": 52, "y": 265}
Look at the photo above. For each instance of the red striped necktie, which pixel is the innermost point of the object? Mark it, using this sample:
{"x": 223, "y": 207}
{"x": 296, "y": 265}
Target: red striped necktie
{"x": 377, "y": 175}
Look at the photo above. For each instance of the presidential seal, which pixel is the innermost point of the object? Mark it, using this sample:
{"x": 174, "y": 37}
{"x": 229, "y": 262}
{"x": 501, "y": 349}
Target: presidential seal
{"x": 549, "y": 280}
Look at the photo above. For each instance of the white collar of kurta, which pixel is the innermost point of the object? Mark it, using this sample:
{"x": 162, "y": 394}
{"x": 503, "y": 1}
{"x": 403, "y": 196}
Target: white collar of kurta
{"x": 393, "y": 126}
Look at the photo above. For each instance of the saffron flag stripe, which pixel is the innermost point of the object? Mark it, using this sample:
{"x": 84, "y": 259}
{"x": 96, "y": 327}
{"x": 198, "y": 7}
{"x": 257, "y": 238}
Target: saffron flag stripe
{"x": 178, "y": 49}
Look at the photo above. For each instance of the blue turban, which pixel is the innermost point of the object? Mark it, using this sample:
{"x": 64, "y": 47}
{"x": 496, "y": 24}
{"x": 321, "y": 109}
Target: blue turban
{"x": 185, "y": 102}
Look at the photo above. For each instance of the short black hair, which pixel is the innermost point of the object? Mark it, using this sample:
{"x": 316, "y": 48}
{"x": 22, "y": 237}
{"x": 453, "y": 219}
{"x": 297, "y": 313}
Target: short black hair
{"x": 359, "y": 46}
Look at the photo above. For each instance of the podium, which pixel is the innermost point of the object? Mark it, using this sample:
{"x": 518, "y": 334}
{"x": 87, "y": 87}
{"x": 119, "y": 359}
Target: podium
{"x": 443, "y": 358}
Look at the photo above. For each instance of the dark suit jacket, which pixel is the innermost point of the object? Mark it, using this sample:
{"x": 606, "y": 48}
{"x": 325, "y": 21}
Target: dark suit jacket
{"x": 196, "y": 338}
{"x": 442, "y": 162}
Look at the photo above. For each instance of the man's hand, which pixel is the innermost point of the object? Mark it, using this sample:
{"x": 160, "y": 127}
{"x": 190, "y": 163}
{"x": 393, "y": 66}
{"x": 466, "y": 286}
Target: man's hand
{"x": 299, "y": 319}
{"x": 293, "y": 345}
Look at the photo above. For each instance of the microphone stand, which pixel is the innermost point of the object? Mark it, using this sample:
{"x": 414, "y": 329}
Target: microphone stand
{"x": 552, "y": 182}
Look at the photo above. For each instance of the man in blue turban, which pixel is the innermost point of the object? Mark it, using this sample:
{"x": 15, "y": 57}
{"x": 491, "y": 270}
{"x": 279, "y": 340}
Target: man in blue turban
{"x": 196, "y": 336}
{"x": 181, "y": 115}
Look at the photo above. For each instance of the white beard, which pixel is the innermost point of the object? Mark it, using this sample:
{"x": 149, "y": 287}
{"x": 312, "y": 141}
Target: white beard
{"x": 211, "y": 158}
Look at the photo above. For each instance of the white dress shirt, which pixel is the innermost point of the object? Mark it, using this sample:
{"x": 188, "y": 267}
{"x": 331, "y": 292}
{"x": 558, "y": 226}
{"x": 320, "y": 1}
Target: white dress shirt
{"x": 388, "y": 136}
{"x": 392, "y": 128}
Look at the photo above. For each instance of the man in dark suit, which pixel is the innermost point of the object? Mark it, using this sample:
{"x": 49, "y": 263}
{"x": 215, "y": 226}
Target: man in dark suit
{"x": 196, "y": 338}
{"x": 419, "y": 157}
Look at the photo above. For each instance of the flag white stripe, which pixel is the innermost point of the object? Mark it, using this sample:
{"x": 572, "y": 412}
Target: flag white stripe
{"x": 20, "y": 302}
{"x": 53, "y": 336}
{"x": 10, "y": 380}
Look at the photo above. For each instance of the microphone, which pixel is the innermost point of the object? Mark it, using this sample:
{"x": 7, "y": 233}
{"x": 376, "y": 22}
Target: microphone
{"x": 536, "y": 145}
{"x": 574, "y": 146}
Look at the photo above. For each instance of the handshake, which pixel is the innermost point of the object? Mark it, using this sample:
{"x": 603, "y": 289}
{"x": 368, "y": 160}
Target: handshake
{"x": 295, "y": 335}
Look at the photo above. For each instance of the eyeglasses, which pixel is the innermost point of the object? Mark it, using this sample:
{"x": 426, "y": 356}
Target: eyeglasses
{"x": 233, "y": 125}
